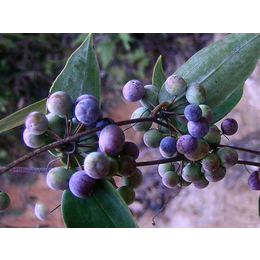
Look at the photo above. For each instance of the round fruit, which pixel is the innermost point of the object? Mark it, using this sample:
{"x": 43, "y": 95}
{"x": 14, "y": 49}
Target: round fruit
{"x": 213, "y": 136}
{"x": 175, "y": 85}
{"x": 150, "y": 98}
{"x": 168, "y": 145}
{"x": 199, "y": 128}
{"x": 4, "y": 201}
{"x": 152, "y": 138}
{"x": 202, "y": 183}
{"x": 40, "y": 211}
{"x": 200, "y": 152}
{"x": 217, "y": 175}
{"x": 135, "y": 180}
{"x": 133, "y": 90}
{"x": 193, "y": 112}
{"x": 170, "y": 179}
{"x": 196, "y": 94}
{"x": 191, "y": 172}
{"x": 141, "y": 112}
{"x": 186, "y": 144}
{"x": 228, "y": 156}
{"x": 127, "y": 165}
{"x": 211, "y": 162}
{"x": 229, "y": 126}
{"x": 165, "y": 167}
{"x": 131, "y": 149}
{"x": 33, "y": 141}
{"x": 36, "y": 123}
{"x": 127, "y": 194}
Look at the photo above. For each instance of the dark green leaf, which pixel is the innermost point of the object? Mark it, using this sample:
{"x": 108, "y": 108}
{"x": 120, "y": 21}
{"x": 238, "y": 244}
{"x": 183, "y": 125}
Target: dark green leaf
{"x": 158, "y": 74}
{"x": 222, "y": 68}
{"x": 18, "y": 117}
{"x": 81, "y": 72}
{"x": 105, "y": 209}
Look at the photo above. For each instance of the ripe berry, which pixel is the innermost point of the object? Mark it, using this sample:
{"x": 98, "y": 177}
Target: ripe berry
{"x": 211, "y": 162}
{"x": 81, "y": 185}
{"x": 175, "y": 85}
{"x": 133, "y": 90}
{"x": 199, "y": 128}
{"x": 96, "y": 165}
{"x": 193, "y": 112}
{"x": 86, "y": 96}
{"x": 4, "y": 201}
{"x": 254, "y": 180}
{"x": 228, "y": 156}
{"x": 104, "y": 122}
{"x": 186, "y": 144}
{"x": 200, "y": 152}
{"x": 131, "y": 149}
{"x": 202, "y": 183}
{"x": 36, "y": 123}
{"x": 111, "y": 140}
{"x": 229, "y": 126}
{"x": 59, "y": 103}
{"x": 215, "y": 176}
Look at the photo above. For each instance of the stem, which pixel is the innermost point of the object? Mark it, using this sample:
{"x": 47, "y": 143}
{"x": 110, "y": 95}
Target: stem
{"x": 248, "y": 163}
{"x": 241, "y": 149}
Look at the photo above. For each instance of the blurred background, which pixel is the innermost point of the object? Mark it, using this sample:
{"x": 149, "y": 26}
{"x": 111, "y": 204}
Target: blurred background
{"x": 29, "y": 64}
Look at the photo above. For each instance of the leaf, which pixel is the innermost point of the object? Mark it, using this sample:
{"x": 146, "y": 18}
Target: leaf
{"x": 105, "y": 209}
{"x": 18, "y": 117}
{"x": 222, "y": 68}
{"x": 105, "y": 50}
{"x": 81, "y": 72}
{"x": 158, "y": 77}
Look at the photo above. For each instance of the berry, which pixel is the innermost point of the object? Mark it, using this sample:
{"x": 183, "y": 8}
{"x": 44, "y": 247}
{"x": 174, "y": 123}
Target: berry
{"x": 193, "y": 112}
{"x": 40, "y": 211}
{"x": 175, "y": 85}
{"x": 213, "y": 136}
{"x": 211, "y": 162}
{"x": 96, "y": 165}
{"x": 111, "y": 140}
{"x": 191, "y": 172}
{"x": 206, "y": 112}
{"x": 59, "y": 103}
{"x": 229, "y": 126}
{"x": 81, "y": 185}
{"x": 127, "y": 165}
{"x": 113, "y": 166}
{"x": 133, "y": 90}
{"x": 58, "y": 178}
{"x": 186, "y": 144}
{"x": 202, "y": 183}
{"x": 200, "y": 152}
{"x": 36, "y": 123}
{"x": 104, "y": 122}
{"x": 87, "y": 112}
{"x": 56, "y": 124}
{"x": 168, "y": 144}
{"x": 254, "y": 180}
{"x": 165, "y": 167}
{"x": 127, "y": 194}
{"x": 150, "y": 98}
{"x": 215, "y": 176}
{"x": 33, "y": 141}
{"x": 196, "y": 94}
{"x": 170, "y": 179}
{"x": 86, "y": 96}
{"x": 4, "y": 201}
{"x": 141, "y": 112}
{"x": 199, "y": 128}
{"x": 228, "y": 156}
{"x": 135, "y": 180}
{"x": 131, "y": 149}
{"x": 152, "y": 138}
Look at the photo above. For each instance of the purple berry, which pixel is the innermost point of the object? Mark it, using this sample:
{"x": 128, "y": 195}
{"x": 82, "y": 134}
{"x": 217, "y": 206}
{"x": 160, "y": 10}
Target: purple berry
{"x": 131, "y": 149}
{"x": 215, "y": 176}
{"x": 133, "y": 90}
{"x": 199, "y": 128}
{"x": 229, "y": 126}
{"x": 254, "y": 180}
{"x": 228, "y": 156}
{"x": 186, "y": 144}
{"x": 36, "y": 123}
{"x": 193, "y": 112}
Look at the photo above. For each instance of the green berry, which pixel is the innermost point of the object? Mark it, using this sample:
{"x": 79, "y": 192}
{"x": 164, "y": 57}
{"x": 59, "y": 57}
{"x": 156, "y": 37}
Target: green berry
{"x": 150, "y": 98}
{"x": 191, "y": 172}
{"x": 135, "y": 180}
{"x": 4, "y": 201}
{"x": 170, "y": 179}
{"x": 165, "y": 167}
{"x": 228, "y": 156}
{"x": 36, "y": 123}
{"x": 211, "y": 162}
{"x": 196, "y": 94}
{"x": 33, "y": 141}
{"x": 141, "y": 112}
{"x": 127, "y": 194}
{"x": 175, "y": 85}
{"x": 40, "y": 211}
{"x": 152, "y": 138}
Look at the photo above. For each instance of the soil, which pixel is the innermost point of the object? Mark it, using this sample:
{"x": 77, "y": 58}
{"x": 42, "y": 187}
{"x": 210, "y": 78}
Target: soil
{"x": 226, "y": 204}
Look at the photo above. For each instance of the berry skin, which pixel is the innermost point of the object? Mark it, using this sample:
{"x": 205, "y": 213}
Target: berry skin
{"x": 206, "y": 112}
{"x": 201, "y": 152}
{"x": 135, "y": 180}
{"x": 229, "y": 126}
{"x": 191, "y": 172}
{"x": 152, "y": 138}
{"x": 127, "y": 194}
{"x": 141, "y": 112}
{"x": 59, "y": 103}
{"x": 228, "y": 156}
{"x": 113, "y": 167}
{"x": 81, "y": 185}
{"x": 150, "y": 98}
{"x": 175, "y": 85}
{"x": 168, "y": 145}
{"x": 56, "y": 124}
{"x": 87, "y": 112}
{"x": 199, "y": 128}
{"x": 202, "y": 183}
{"x": 131, "y": 149}
{"x": 133, "y": 90}
{"x": 86, "y": 96}
{"x": 170, "y": 179}
{"x": 211, "y": 162}
{"x": 4, "y": 201}
{"x": 165, "y": 167}
{"x": 217, "y": 175}
{"x": 36, "y": 123}
{"x": 186, "y": 144}
{"x": 96, "y": 165}
{"x": 254, "y": 181}
{"x": 104, "y": 122}
{"x": 33, "y": 141}
{"x": 40, "y": 211}
{"x": 111, "y": 140}
{"x": 213, "y": 137}
{"x": 193, "y": 112}
{"x": 127, "y": 165}
{"x": 58, "y": 178}
{"x": 195, "y": 94}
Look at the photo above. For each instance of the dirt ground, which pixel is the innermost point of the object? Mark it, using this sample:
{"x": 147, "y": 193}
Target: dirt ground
{"x": 229, "y": 203}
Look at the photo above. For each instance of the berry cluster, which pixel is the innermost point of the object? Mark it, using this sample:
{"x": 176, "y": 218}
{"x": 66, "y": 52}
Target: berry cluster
{"x": 101, "y": 154}
{"x": 201, "y": 159}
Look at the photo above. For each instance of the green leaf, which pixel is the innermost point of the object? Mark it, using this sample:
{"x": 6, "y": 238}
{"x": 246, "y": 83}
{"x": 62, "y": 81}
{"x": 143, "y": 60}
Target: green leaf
{"x": 81, "y": 72}
{"x": 158, "y": 77}
{"x": 105, "y": 51}
{"x": 17, "y": 118}
{"x": 221, "y": 68}
{"x": 105, "y": 209}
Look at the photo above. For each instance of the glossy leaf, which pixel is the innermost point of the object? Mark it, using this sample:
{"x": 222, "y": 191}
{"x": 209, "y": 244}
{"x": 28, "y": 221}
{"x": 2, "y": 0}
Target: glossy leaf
{"x": 81, "y": 72}
{"x": 222, "y": 68}
{"x": 105, "y": 209}
{"x": 17, "y": 118}
{"x": 158, "y": 77}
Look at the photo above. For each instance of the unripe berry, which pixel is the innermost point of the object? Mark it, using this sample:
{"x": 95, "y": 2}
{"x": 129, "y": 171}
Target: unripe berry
{"x": 213, "y": 137}
{"x": 56, "y": 124}
{"x": 206, "y": 112}
{"x": 36, "y": 123}
{"x": 141, "y": 112}
{"x": 217, "y": 175}
{"x": 133, "y": 90}
{"x": 127, "y": 194}
{"x": 81, "y": 185}
{"x": 152, "y": 138}
{"x": 33, "y": 141}
{"x": 96, "y": 165}
{"x": 127, "y": 165}
{"x": 40, "y": 211}
{"x": 196, "y": 94}
{"x": 200, "y": 152}
{"x": 4, "y": 201}
{"x": 150, "y": 98}
{"x": 170, "y": 179}
{"x": 135, "y": 180}
{"x": 165, "y": 167}
{"x": 211, "y": 162}
{"x": 59, "y": 103}
{"x": 229, "y": 126}
{"x": 228, "y": 156}
{"x": 202, "y": 183}
{"x": 175, "y": 85}
{"x": 191, "y": 172}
